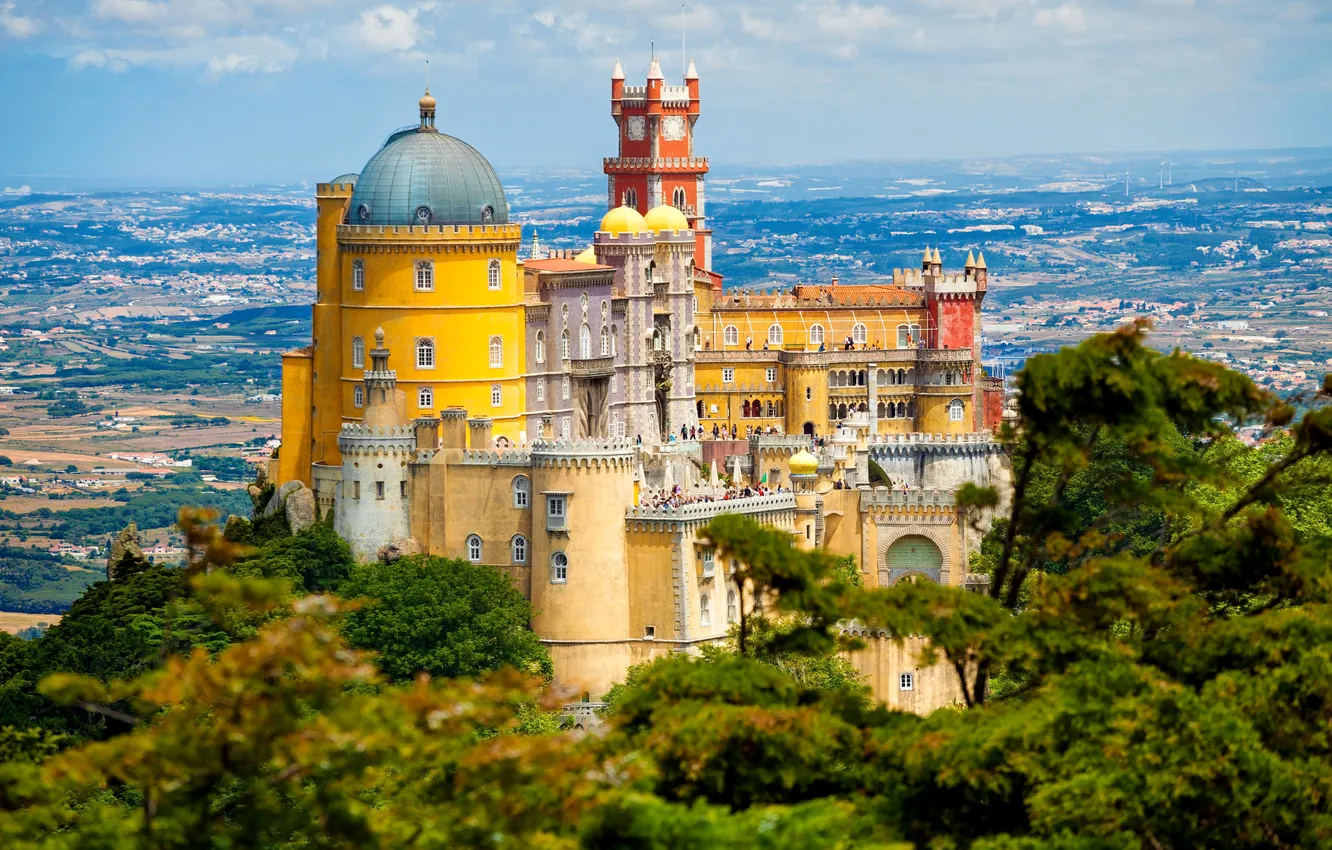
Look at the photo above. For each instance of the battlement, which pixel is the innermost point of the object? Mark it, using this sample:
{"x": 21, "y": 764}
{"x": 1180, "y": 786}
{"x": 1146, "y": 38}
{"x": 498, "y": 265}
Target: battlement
{"x": 659, "y": 164}
{"x": 913, "y": 499}
{"x": 358, "y": 439}
{"x": 701, "y": 512}
{"x": 341, "y": 190}
{"x": 508, "y": 457}
{"x": 489, "y": 233}
{"x": 593, "y": 451}
{"x": 646, "y": 240}
{"x": 826, "y": 299}
{"x": 779, "y": 443}
{"x": 953, "y": 284}
{"x": 675, "y": 95}
{"x": 899, "y": 445}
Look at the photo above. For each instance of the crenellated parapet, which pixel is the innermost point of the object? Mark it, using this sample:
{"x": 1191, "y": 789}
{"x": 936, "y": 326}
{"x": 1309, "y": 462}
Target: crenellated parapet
{"x": 358, "y": 439}
{"x": 774, "y": 509}
{"x": 595, "y": 452}
{"x": 913, "y": 500}
{"x": 900, "y": 445}
{"x": 508, "y": 457}
{"x": 428, "y": 238}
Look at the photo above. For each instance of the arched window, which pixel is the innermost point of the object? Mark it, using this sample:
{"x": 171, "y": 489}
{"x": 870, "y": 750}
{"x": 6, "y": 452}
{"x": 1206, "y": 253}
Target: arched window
{"x": 615, "y": 336}
{"x": 698, "y": 339}
{"x": 425, "y": 398}
{"x": 881, "y": 411}
{"x": 540, "y": 346}
{"x": 948, "y": 378}
{"x": 605, "y": 341}
{"x": 540, "y": 390}
{"x": 474, "y": 549}
{"x": 695, "y": 302}
{"x": 425, "y": 276}
{"x": 358, "y": 275}
{"x": 584, "y": 342}
{"x": 901, "y": 376}
{"x": 955, "y": 410}
{"x": 358, "y": 352}
{"x": 493, "y": 278}
{"x": 425, "y": 354}
{"x": 841, "y": 411}
{"x": 358, "y": 396}
{"x": 744, "y": 408}
{"x": 774, "y": 334}
{"x": 656, "y": 339}
{"x": 859, "y": 334}
{"x": 809, "y": 393}
{"x": 631, "y": 198}
{"x": 704, "y": 611}
{"x": 564, "y": 388}
{"x": 816, "y": 335}
{"x": 519, "y": 546}
{"x": 908, "y": 335}
{"x": 522, "y": 492}
{"x": 496, "y": 395}
{"x": 559, "y": 568}
{"x": 731, "y": 613}
{"x": 496, "y": 352}
{"x": 772, "y": 409}
{"x": 564, "y": 344}
{"x": 731, "y": 336}
{"x": 678, "y": 198}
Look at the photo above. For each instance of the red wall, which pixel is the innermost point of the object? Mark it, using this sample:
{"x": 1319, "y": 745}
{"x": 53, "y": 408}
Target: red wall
{"x": 957, "y": 323}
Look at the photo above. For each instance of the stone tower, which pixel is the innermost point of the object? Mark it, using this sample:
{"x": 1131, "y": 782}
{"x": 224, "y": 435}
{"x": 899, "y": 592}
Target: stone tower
{"x": 373, "y": 506}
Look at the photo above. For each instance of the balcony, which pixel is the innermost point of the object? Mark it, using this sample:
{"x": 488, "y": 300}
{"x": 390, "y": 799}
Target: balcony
{"x": 592, "y": 367}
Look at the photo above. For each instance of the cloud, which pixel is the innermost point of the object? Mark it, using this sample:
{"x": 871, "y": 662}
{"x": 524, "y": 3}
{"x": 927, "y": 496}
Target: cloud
{"x": 18, "y": 26}
{"x": 129, "y": 11}
{"x": 20, "y": 190}
{"x": 219, "y": 57}
{"x": 1067, "y": 16}
{"x": 389, "y": 29}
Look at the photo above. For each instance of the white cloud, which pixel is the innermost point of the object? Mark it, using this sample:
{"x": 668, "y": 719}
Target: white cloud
{"x": 388, "y": 29}
{"x": 130, "y": 11}
{"x": 1068, "y": 16}
{"x": 18, "y": 26}
{"x": 20, "y": 190}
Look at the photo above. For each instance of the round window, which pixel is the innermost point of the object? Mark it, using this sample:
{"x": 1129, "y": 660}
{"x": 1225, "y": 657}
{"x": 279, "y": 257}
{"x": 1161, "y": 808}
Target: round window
{"x": 423, "y": 213}
{"x": 363, "y": 212}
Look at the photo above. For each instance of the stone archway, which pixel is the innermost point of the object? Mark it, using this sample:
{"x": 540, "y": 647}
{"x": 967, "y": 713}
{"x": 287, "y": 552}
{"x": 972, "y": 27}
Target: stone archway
{"x": 913, "y": 552}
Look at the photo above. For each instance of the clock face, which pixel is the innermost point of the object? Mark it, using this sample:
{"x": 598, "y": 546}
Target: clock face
{"x": 635, "y": 128}
{"x": 673, "y": 128}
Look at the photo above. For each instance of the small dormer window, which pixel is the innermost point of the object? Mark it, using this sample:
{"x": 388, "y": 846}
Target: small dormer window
{"x": 363, "y": 212}
{"x": 423, "y": 214}
{"x": 487, "y": 214}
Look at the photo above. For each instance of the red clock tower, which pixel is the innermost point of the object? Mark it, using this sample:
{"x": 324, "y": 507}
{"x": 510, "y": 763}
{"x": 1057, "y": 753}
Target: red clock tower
{"x": 656, "y": 164}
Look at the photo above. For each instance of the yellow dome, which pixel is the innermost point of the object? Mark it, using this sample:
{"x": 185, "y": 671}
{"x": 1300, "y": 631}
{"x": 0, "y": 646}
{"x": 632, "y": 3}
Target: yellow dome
{"x": 665, "y": 217}
{"x": 623, "y": 219}
{"x": 587, "y": 255}
{"x": 803, "y": 463}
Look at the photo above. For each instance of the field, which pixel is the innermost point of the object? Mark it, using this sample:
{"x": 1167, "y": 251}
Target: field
{"x": 15, "y": 623}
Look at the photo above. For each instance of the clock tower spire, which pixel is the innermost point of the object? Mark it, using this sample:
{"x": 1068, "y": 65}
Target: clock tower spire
{"x": 656, "y": 164}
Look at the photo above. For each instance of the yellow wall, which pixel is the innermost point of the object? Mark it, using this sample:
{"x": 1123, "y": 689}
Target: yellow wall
{"x": 294, "y": 456}
{"x": 837, "y": 323}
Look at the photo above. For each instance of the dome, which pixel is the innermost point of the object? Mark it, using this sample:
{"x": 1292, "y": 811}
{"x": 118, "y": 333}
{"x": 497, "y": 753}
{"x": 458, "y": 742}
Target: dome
{"x": 425, "y": 177}
{"x": 587, "y": 255}
{"x": 348, "y": 179}
{"x": 665, "y": 217}
{"x": 623, "y": 219}
{"x": 803, "y": 463}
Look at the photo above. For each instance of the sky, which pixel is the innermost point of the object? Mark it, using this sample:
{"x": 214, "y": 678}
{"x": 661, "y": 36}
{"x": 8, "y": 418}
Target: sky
{"x": 237, "y": 92}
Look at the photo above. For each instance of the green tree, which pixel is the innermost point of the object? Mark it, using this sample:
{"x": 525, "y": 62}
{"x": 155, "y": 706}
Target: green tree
{"x": 441, "y": 616}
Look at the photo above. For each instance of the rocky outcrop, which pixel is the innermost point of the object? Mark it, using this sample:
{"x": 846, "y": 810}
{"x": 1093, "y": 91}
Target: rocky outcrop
{"x": 278, "y": 502}
{"x": 126, "y": 555}
{"x": 300, "y": 509}
{"x": 394, "y": 552}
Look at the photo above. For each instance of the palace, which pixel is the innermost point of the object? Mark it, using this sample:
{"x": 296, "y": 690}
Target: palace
{"x": 569, "y": 419}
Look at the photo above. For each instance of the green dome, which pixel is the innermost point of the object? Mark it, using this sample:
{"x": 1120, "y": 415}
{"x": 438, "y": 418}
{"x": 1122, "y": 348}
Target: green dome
{"x": 421, "y": 176}
{"x": 348, "y": 179}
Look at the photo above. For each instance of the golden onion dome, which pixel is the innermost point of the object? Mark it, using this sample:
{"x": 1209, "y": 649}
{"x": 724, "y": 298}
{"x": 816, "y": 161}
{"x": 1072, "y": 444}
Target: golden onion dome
{"x": 587, "y": 255}
{"x": 427, "y": 102}
{"x": 623, "y": 219}
{"x": 803, "y": 463}
{"x": 665, "y": 218}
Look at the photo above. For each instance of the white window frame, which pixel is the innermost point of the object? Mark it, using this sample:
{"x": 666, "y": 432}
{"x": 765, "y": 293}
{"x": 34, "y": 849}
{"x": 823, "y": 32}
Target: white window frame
{"x": 728, "y": 375}
{"x": 425, "y": 346}
{"x": 859, "y": 333}
{"x": 539, "y": 346}
{"x": 358, "y": 352}
{"x": 522, "y": 493}
{"x": 771, "y": 374}
{"x": 730, "y": 335}
{"x": 585, "y": 342}
{"x": 559, "y": 568}
{"x": 957, "y": 410}
{"x": 816, "y": 335}
{"x": 906, "y": 681}
{"x": 565, "y": 348}
{"x": 358, "y": 395}
{"x": 732, "y": 610}
{"x": 425, "y": 398}
{"x": 425, "y": 276}
{"x": 541, "y": 389}
{"x": 557, "y": 512}
{"x": 709, "y": 562}
{"x": 518, "y": 549}
{"x": 475, "y": 548}
{"x": 358, "y": 275}
{"x": 705, "y": 611}
{"x": 564, "y": 388}
{"x": 496, "y": 352}
{"x": 615, "y": 336}
{"x": 775, "y": 334}
{"x": 494, "y": 275}
{"x": 496, "y": 395}
{"x": 679, "y": 198}
{"x": 605, "y": 341}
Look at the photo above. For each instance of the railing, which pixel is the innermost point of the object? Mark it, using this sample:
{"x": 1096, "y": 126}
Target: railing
{"x": 708, "y": 510}
{"x": 592, "y": 367}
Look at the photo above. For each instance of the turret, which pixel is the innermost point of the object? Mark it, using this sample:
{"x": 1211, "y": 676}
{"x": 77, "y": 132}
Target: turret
{"x": 655, "y": 83}
{"x": 691, "y": 81}
{"x": 617, "y": 87}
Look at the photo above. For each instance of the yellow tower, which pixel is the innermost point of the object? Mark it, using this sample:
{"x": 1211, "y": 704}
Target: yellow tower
{"x": 420, "y": 244}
